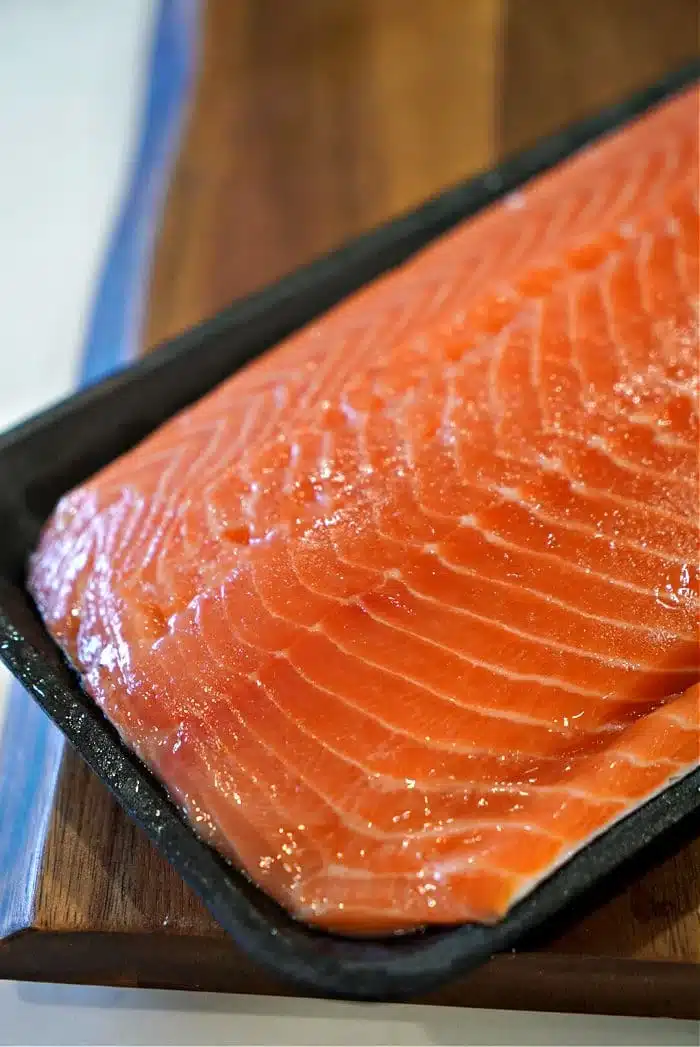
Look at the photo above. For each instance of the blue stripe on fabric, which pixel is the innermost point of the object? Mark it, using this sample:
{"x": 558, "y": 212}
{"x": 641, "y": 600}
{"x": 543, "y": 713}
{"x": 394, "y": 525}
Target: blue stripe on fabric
{"x": 30, "y": 746}
{"x": 118, "y": 310}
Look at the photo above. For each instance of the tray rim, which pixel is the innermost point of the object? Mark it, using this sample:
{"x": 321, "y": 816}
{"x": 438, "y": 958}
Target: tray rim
{"x": 335, "y": 966}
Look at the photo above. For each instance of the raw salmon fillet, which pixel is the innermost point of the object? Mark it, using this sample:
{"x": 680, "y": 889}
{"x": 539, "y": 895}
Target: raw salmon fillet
{"x": 406, "y": 612}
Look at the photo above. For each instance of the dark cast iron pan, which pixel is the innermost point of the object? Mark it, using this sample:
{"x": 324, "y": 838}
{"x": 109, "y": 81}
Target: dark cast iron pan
{"x": 44, "y": 457}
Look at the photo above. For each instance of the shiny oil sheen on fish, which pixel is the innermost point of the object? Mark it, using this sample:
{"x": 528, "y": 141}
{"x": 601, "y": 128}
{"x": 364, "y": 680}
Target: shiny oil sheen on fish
{"x": 406, "y": 612}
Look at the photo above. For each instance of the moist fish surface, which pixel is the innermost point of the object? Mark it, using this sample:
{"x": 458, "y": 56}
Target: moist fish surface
{"x": 405, "y": 613}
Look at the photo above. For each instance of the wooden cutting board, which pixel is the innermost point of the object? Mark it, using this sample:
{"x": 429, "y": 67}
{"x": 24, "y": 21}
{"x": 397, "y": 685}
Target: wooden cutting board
{"x": 312, "y": 121}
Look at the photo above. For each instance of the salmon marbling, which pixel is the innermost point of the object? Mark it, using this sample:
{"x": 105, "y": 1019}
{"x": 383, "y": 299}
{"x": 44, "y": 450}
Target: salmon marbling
{"x": 406, "y": 612}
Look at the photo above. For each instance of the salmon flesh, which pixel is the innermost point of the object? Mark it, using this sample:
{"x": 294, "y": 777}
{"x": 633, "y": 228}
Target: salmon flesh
{"x": 405, "y": 613}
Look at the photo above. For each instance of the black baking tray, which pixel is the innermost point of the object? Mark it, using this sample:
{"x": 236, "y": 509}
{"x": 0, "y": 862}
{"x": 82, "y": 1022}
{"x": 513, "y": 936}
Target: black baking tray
{"x": 43, "y": 458}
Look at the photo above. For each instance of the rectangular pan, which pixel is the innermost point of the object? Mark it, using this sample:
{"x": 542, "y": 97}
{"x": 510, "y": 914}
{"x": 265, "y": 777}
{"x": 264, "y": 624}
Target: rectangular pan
{"x": 44, "y": 457}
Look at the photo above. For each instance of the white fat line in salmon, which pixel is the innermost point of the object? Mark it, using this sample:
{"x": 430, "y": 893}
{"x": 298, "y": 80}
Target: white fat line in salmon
{"x": 433, "y": 871}
{"x": 547, "y": 681}
{"x": 680, "y": 721}
{"x": 545, "y": 597}
{"x": 604, "y": 729}
{"x": 163, "y": 502}
{"x": 481, "y": 710}
{"x": 433, "y": 744}
{"x": 512, "y": 495}
{"x": 395, "y": 573}
{"x": 554, "y": 682}
{"x": 599, "y": 443}
{"x": 515, "y": 496}
{"x": 364, "y": 827}
{"x": 613, "y": 662}
{"x": 443, "y": 696}
{"x": 543, "y": 641}
{"x": 331, "y": 866}
{"x": 449, "y": 828}
{"x": 495, "y": 669}
{"x": 434, "y": 550}
{"x": 174, "y": 504}
{"x": 455, "y": 865}
{"x": 588, "y": 492}
{"x": 540, "y": 876}
{"x": 495, "y": 539}
{"x": 491, "y": 489}
{"x": 436, "y": 785}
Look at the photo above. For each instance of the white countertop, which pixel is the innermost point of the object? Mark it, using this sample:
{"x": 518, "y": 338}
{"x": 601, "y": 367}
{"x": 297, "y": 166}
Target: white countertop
{"x": 71, "y": 87}
{"x": 137, "y": 1016}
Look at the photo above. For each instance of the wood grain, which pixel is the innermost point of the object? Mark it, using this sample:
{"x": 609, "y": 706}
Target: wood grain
{"x": 566, "y": 59}
{"x": 313, "y": 121}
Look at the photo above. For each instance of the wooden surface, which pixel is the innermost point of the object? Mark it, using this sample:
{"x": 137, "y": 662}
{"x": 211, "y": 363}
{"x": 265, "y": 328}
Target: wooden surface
{"x": 313, "y": 120}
